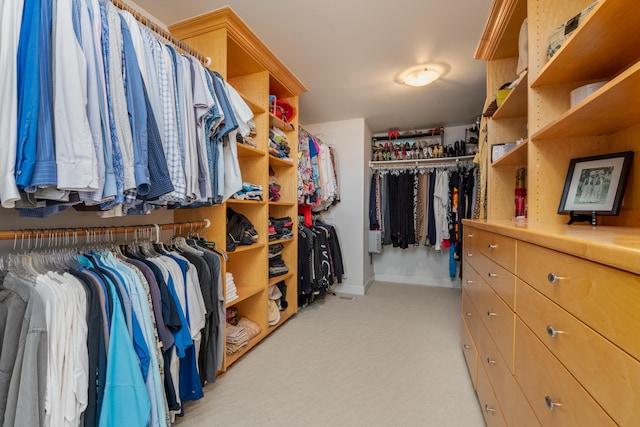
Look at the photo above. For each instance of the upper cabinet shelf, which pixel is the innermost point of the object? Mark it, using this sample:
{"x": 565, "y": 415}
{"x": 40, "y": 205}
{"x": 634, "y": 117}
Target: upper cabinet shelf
{"x": 500, "y": 37}
{"x": 612, "y": 108}
{"x": 515, "y": 104}
{"x": 515, "y": 157}
{"x": 603, "y": 45}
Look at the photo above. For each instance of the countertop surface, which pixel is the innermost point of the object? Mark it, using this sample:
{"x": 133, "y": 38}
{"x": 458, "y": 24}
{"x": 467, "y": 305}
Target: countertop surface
{"x": 609, "y": 245}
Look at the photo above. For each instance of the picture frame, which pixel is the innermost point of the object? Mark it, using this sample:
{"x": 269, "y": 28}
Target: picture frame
{"x": 596, "y": 184}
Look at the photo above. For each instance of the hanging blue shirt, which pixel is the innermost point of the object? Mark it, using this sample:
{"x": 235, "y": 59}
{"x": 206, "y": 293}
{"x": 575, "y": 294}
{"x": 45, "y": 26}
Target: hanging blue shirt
{"x": 190, "y": 386}
{"x": 44, "y": 170}
{"x": 118, "y": 166}
{"x": 137, "y": 112}
{"x": 28, "y": 72}
{"x": 126, "y": 401}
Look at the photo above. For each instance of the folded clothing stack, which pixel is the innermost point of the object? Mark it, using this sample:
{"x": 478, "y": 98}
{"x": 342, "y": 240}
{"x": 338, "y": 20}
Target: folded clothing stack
{"x": 275, "y": 250}
{"x": 278, "y": 145}
{"x": 236, "y": 338}
{"x": 252, "y": 328}
{"x": 232, "y": 291}
{"x": 277, "y": 267}
{"x": 280, "y": 228}
{"x": 248, "y": 139}
{"x": 249, "y": 192}
{"x": 274, "y": 187}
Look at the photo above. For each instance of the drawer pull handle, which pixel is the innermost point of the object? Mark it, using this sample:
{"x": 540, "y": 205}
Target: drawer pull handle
{"x": 469, "y": 235}
{"x": 491, "y": 313}
{"x": 492, "y": 274}
{"x": 490, "y": 361}
{"x": 553, "y": 278}
{"x": 550, "y": 403}
{"x": 492, "y": 246}
{"x": 488, "y": 409}
{"x": 468, "y": 313}
{"x": 469, "y": 254}
{"x": 467, "y": 347}
{"x": 469, "y": 282}
{"x": 552, "y": 332}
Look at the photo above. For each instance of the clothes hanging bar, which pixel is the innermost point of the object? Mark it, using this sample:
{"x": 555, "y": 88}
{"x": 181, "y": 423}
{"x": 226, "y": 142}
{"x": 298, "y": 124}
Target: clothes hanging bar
{"x": 422, "y": 163}
{"x": 46, "y": 233}
{"x": 205, "y": 60}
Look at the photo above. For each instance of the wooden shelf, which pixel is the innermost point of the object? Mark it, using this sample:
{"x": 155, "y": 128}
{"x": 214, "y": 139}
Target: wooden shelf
{"x": 288, "y": 204}
{"x": 245, "y": 202}
{"x": 605, "y": 43}
{"x": 279, "y": 123}
{"x": 247, "y": 151}
{"x": 255, "y": 108}
{"x": 274, "y": 280}
{"x": 612, "y": 108}
{"x": 279, "y": 161}
{"x": 515, "y": 157}
{"x": 273, "y": 242}
{"x": 244, "y": 292}
{"x": 246, "y": 248}
{"x": 231, "y": 358}
{"x": 515, "y": 104}
{"x": 284, "y": 316}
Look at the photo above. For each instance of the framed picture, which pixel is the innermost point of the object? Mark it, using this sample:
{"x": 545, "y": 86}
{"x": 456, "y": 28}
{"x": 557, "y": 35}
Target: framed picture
{"x": 596, "y": 184}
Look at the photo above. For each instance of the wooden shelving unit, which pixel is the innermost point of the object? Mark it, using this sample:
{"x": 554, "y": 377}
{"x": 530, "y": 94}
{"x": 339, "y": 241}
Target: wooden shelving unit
{"x": 518, "y": 382}
{"x": 241, "y": 58}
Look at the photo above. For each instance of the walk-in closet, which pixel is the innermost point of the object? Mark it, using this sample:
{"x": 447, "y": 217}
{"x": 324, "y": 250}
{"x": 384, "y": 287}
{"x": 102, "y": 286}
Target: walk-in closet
{"x": 246, "y": 213}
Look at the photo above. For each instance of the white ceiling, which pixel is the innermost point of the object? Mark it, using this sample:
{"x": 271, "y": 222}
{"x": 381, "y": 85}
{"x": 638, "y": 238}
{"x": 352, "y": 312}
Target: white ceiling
{"x": 348, "y": 52}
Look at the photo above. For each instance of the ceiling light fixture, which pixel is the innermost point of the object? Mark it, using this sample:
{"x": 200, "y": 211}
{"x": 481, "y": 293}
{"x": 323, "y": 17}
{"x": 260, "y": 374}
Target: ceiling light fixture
{"x": 420, "y": 75}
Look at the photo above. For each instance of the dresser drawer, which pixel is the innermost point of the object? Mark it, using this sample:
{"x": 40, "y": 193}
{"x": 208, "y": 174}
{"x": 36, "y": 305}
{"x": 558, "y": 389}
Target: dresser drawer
{"x": 498, "y": 371}
{"x": 605, "y": 298}
{"x": 493, "y": 416}
{"x": 496, "y": 247}
{"x": 523, "y": 415}
{"x": 555, "y": 396}
{"x": 498, "y": 277}
{"x": 470, "y": 353}
{"x": 604, "y": 370}
{"x": 470, "y": 315}
{"x": 471, "y": 281}
{"x": 498, "y": 318}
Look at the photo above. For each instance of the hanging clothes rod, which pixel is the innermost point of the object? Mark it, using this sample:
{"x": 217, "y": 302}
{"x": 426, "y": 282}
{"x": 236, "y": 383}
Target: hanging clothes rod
{"x": 423, "y": 163}
{"x": 205, "y": 60}
{"x": 46, "y": 233}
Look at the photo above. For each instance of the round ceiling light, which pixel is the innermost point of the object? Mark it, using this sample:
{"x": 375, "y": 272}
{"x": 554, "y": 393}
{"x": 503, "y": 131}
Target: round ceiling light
{"x": 420, "y": 75}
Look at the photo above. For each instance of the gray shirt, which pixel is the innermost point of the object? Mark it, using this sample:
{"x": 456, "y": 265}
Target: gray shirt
{"x": 23, "y": 353}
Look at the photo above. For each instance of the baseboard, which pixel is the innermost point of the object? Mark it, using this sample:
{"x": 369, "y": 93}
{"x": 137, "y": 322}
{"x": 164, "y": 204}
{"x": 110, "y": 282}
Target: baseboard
{"x": 443, "y": 282}
{"x": 349, "y": 289}
{"x": 370, "y": 282}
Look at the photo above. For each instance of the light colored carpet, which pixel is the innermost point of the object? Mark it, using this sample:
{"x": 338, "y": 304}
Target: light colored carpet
{"x": 389, "y": 358}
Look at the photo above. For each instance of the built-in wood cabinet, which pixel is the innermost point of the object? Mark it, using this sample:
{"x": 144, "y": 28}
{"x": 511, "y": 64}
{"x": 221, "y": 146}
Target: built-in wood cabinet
{"x": 573, "y": 290}
{"x": 243, "y": 60}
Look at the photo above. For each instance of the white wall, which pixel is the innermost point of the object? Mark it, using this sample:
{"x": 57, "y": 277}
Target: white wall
{"x": 351, "y": 140}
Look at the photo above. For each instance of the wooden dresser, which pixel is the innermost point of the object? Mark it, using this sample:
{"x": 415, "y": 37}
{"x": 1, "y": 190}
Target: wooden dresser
{"x": 550, "y": 333}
